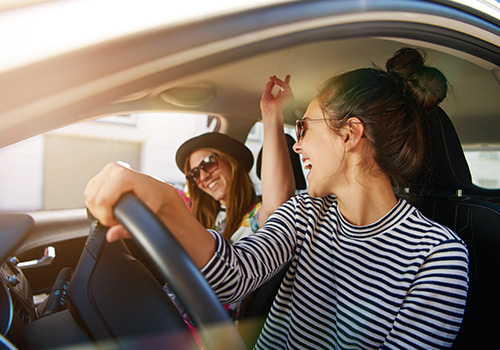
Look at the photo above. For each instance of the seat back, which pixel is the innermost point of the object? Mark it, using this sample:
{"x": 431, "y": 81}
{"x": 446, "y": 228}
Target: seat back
{"x": 478, "y": 224}
{"x": 450, "y": 171}
{"x": 452, "y": 201}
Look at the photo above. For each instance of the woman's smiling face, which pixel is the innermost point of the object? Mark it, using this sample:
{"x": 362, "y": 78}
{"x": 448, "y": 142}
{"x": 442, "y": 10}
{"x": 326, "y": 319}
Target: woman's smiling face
{"x": 322, "y": 153}
{"x": 215, "y": 184}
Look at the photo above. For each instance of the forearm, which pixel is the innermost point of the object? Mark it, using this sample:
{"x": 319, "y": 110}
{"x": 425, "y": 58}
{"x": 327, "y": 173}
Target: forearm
{"x": 236, "y": 270}
{"x": 278, "y": 183}
{"x": 106, "y": 188}
{"x": 195, "y": 239}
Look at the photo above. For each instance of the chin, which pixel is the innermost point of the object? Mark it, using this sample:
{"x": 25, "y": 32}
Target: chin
{"x": 317, "y": 192}
{"x": 217, "y": 196}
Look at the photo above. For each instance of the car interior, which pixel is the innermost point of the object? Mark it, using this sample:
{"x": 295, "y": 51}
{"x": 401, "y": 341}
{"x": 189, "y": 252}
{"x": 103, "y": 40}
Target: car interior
{"x": 472, "y": 212}
{"x": 100, "y": 295}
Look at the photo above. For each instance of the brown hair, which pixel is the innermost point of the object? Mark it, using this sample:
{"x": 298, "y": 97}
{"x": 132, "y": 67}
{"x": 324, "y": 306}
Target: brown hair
{"x": 240, "y": 197}
{"x": 392, "y": 105}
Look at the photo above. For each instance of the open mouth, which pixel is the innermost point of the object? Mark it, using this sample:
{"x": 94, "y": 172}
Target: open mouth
{"x": 307, "y": 164}
{"x": 212, "y": 184}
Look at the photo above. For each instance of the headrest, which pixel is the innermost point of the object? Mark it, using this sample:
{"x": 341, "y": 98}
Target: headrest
{"x": 450, "y": 169}
{"x": 300, "y": 181}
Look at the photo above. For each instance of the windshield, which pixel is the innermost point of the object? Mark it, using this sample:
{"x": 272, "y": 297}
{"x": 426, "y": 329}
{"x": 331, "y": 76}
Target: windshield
{"x": 50, "y": 171}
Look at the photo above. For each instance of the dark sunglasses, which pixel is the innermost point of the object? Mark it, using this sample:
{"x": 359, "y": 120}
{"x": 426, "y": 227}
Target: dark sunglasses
{"x": 208, "y": 164}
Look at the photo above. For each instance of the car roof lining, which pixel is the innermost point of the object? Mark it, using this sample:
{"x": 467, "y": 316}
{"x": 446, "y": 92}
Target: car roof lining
{"x": 107, "y": 82}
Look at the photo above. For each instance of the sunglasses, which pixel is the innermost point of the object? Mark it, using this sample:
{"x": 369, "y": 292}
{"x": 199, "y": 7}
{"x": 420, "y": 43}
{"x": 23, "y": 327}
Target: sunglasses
{"x": 299, "y": 127}
{"x": 208, "y": 164}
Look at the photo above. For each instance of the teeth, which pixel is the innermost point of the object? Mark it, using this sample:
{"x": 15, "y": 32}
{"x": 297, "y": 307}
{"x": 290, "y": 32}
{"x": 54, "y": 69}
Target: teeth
{"x": 307, "y": 164}
{"x": 211, "y": 185}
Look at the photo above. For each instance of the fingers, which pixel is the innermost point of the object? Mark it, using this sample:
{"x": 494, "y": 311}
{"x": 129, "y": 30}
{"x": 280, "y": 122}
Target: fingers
{"x": 281, "y": 99}
{"x": 268, "y": 88}
{"x": 287, "y": 79}
{"x": 104, "y": 190}
{"x": 116, "y": 233}
{"x": 284, "y": 85}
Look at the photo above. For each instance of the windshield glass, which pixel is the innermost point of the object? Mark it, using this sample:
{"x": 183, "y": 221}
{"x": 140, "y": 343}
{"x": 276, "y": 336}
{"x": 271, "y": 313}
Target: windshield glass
{"x": 50, "y": 171}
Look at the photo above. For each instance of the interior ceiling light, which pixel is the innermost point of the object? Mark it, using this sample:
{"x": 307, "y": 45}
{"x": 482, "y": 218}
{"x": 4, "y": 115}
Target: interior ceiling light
{"x": 189, "y": 97}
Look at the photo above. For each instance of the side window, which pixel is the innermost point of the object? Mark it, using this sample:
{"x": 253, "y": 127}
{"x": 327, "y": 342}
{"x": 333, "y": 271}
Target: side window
{"x": 484, "y": 164}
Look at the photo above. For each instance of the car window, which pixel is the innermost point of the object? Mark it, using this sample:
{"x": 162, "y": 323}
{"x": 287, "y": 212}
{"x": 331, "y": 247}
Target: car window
{"x": 51, "y": 171}
{"x": 484, "y": 164}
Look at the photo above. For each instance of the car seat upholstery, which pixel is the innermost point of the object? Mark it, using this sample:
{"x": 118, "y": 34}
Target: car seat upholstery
{"x": 449, "y": 159}
{"x": 452, "y": 200}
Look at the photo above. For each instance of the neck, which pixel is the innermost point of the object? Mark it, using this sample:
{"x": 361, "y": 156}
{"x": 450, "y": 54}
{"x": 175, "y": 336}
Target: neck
{"x": 366, "y": 199}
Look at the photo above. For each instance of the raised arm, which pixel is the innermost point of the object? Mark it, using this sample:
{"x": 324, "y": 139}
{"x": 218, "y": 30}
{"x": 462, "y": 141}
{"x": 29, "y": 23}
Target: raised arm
{"x": 278, "y": 183}
{"x": 106, "y": 188}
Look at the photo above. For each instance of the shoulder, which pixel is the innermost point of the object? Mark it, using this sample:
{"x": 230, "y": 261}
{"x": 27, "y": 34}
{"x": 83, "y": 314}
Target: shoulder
{"x": 306, "y": 201}
{"x": 430, "y": 231}
{"x": 303, "y": 206}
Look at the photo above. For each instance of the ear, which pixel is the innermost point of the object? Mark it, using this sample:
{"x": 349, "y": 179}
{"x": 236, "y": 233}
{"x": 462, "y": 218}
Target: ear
{"x": 354, "y": 132}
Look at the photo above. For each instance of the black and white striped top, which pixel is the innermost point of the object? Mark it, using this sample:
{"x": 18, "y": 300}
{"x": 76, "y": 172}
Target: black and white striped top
{"x": 400, "y": 283}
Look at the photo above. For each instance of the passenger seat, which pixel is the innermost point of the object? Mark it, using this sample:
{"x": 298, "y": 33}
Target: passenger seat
{"x": 455, "y": 202}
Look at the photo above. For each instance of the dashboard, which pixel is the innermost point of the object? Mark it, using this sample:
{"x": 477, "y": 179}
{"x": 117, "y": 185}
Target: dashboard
{"x": 17, "y": 308}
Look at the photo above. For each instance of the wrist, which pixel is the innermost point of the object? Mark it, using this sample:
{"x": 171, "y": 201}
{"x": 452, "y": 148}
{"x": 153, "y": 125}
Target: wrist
{"x": 272, "y": 117}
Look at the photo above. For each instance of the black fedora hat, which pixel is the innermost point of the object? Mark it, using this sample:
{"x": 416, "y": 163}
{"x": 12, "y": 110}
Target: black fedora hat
{"x": 218, "y": 141}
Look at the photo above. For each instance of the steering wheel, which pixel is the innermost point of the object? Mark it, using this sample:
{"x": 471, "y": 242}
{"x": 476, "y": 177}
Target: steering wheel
{"x": 176, "y": 267}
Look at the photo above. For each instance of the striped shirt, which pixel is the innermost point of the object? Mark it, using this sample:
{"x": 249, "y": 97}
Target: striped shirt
{"x": 399, "y": 283}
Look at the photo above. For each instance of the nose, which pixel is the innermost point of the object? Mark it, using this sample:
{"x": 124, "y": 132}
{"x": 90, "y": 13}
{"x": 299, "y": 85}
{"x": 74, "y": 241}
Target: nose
{"x": 297, "y": 147}
{"x": 203, "y": 176}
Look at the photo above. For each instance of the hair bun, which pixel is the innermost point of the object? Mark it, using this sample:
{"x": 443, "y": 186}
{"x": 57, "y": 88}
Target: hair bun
{"x": 426, "y": 86}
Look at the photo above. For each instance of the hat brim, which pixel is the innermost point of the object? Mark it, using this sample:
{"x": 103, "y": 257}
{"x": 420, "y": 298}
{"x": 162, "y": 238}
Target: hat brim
{"x": 218, "y": 141}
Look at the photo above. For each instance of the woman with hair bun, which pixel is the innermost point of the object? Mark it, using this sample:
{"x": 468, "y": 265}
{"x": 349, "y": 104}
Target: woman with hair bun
{"x": 368, "y": 270}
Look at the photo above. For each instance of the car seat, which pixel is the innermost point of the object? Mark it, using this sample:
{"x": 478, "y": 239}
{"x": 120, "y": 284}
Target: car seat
{"x": 455, "y": 202}
{"x": 451, "y": 171}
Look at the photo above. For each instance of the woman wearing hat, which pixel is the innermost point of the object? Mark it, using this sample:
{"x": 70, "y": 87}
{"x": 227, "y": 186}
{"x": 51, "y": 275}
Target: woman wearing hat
{"x": 216, "y": 167}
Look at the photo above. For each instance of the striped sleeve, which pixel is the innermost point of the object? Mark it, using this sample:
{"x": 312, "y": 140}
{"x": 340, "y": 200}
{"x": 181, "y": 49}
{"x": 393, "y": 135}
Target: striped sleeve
{"x": 236, "y": 270}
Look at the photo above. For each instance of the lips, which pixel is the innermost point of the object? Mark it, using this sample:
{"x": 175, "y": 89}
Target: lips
{"x": 307, "y": 164}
